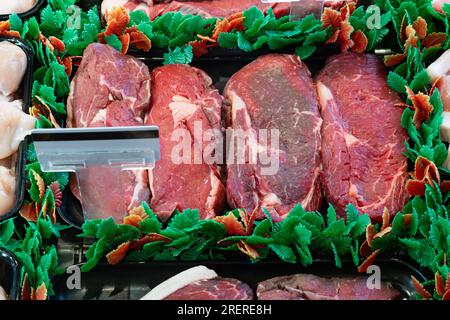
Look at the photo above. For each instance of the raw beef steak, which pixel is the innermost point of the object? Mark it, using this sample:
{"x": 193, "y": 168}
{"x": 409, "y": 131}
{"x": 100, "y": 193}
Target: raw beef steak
{"x": 216, "y": 8}
{"x": 214, "y": 289}
{"x": 206, "y": 8}
{"x": 110, "y": 89}
{"x": 185, "y": 106}
{"x": 311, "y": 287}
{"x": 362, "y": 137}
{"x": 275, "y": 92}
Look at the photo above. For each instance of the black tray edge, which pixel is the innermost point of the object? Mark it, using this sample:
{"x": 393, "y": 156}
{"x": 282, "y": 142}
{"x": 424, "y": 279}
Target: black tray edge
{"x": 14, "y": 264}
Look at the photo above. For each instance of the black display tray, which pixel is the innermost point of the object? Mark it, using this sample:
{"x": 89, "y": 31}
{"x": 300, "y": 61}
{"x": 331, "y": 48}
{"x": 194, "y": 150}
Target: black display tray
{"x": 9, "y": 274}
{"x": 132, "y": 281}
{"x": 26, "y": 90}
{"x": 27, "y": 14}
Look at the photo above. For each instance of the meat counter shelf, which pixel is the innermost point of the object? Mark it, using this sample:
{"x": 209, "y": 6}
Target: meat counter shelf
{"x": 131, "y": 281}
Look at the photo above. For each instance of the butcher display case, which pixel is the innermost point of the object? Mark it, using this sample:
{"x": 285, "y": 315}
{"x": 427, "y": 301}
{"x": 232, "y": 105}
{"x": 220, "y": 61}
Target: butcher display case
{"x": 225, "y": 150}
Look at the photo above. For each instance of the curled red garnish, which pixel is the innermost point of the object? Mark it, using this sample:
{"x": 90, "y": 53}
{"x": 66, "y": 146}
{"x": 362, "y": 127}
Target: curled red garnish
{"x": 199, "y": 48}
{"x": 360, "y": 41}
{"x": 394, "y": 59}
{"x": 331, "y": 18}
{"x": 425, "y": 173}
{"x": 344, "y": 36}
{"x": 420, "y": 26}
{"x": 139, "y": 211}
{"x": 40, "y": 293}
{"x": 30, "y": 211}
{"x": 435, "y": 39}
{"x": 140, "y": 41}
{"x": 152, "y": 237}
{"x": 125, "y": 41}
{"x": 57, "y": 44}
{"x": 6, "y": 32}
{"x": 57, "y": 193}
{"x": 232, "y": 224}
{"x": 370, "y": 233}
{"x": 342, "y": 31}
{"x": 42, "y": 108}
{"x": 411, "y": 38}
{"x": 421, "y": 106}
{"x": 420, "y": 288}
{"x": 117, "y": 21}
{"x": 248, "y": 249}
{"x": 132, "y": 220}
{"x": 67, "y": 63}
{"x": 25, "y": 293}
{"x": 116, "y": 256}
{"x": 407, "y": 219}
{"x": 440, "y": 284}
{"x": 233, "y": 22}
{"x": 368, "y": 262}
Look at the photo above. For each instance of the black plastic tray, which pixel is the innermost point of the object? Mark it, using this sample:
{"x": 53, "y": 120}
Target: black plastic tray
{"x": 27, "y": 14}
{"x": 26, "y": 90}
{"x": 133, "y": 281}
{"x": 9, "y": 274}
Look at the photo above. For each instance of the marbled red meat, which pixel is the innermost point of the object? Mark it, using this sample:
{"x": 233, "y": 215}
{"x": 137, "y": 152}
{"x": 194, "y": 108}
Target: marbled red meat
{"x": 311, "y": 287}
{"x": 275, "y": 92}
{"x": 183, "y": 99}
{"x": 110, "y": 89}
{"x": 362, "y": 137}
{"x": 214, "y": 289}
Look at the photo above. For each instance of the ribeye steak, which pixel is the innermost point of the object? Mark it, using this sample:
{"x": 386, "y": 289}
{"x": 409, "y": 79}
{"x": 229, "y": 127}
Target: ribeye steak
{"x": 184, "y": 102}
{"x": 275, "y": 92}
{"x": 362, "y": 137}
{"x": 110, "y": 89}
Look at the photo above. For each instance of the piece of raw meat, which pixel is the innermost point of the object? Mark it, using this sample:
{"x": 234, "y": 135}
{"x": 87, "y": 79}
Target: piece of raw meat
{"x": 206, "y": 8}
{"x": 185, "y": 106}
{"x": 7, "y": 189}
{"x": 216, "y": 8}
{"x": 200, "y": 283}
{"x": 311, "y": 287}
{"x": 13, "y": 64}
{"x": 274, "y": 93}
{"x": 214, "y": 289}
{"x": 15, "y": 125}
{"x": 16, "y": 6}
{"x": 362, "y": 137}
{"x": 110, "y": 89}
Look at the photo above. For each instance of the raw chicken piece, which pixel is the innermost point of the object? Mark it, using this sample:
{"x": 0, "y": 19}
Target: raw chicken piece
{"x": 14, "y": 126}
{"x": 16, "y": 6}
{"x": 13, "y": 63}
{"x": 439, "y": 71}
{"x": 7, "y": 191}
